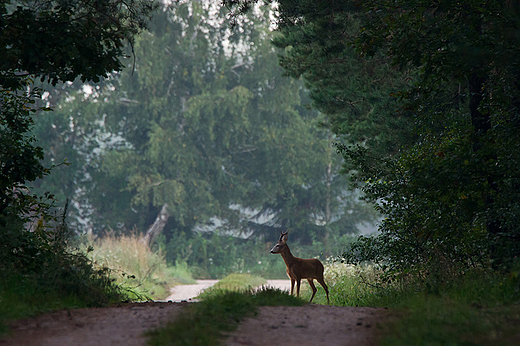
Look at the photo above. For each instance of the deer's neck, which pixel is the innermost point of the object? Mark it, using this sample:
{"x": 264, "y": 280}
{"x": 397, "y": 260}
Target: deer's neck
{"x": 287, "y": 256}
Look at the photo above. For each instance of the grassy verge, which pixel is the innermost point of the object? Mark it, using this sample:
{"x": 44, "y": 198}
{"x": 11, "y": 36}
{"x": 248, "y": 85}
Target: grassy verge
{"x": 481, "y": 308}
{"x": 348, "y": 286}
{"x": 72, "y": 283}
{"x": 478, "y": 310}
{"x": 205, "y": 322}
{"x": 134, "y": 266}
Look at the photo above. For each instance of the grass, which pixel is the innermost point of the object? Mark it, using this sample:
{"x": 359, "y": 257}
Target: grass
{"x": 477, "y": 310}
{"x": 137, "y": 268}
{"x": 71, "y": 285}
{"x": 348, "y": 286}
{"x": 233, "y": 282}
{"x": 205, "y": 323}
{"x": 481, "y": 308}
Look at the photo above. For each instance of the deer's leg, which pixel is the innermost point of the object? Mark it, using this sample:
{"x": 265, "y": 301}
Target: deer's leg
{"x": 324, "y": 285}
{"x": 292, "y": 285}
{"x": 314, "y": 289}
{"x": 298, "y": 282}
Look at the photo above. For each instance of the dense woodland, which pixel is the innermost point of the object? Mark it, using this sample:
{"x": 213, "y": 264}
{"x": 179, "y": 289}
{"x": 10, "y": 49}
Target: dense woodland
{"x": 423, "y": 96}
{"x": 239, "y": 119}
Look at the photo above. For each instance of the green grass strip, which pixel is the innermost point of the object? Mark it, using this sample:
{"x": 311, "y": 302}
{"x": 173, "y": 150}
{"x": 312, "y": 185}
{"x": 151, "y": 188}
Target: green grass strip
{"x": 233, "y": 282}
{"x": 205, "y": 322}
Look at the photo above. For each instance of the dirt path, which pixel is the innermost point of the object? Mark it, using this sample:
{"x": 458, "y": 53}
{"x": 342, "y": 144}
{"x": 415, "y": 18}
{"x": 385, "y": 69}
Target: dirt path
{"x": 122, "y": 325}
{"x": 126, "y": 324}
{"x": 311, "y": 325}
{"x": 188, "y": 292}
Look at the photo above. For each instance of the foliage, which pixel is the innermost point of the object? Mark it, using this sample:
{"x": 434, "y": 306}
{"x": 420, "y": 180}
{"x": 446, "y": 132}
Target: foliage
{"x": 61, "y": 40}
{"x": 211, "y": 255}
{"x": 134, "y": 266}
{"x": 19, "y": 158}
{"x": 448, "y": 184}
{"x": 205, "y": 322}
{"x": 206, "y": 124}
{"x": 40, "y": 273}
{"x": 55, "y": 41}
{"x": 355, "y": 92}
{"x": 454, "y": 189}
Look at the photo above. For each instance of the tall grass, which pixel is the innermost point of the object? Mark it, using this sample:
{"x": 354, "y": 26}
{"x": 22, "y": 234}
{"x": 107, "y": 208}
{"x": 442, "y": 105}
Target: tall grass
{"x": 134, "y": 266}
{"x": 348, "y": 286}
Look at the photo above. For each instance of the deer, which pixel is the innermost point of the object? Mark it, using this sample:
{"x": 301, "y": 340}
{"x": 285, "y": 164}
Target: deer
{"x": 298, "y": 268}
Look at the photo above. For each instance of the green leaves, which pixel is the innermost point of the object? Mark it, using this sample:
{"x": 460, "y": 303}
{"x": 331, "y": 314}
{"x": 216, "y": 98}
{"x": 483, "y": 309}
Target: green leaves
{"x": 421, "y": 96}
{"x": 206, "y": 124}
{"x": 59, "y": 42}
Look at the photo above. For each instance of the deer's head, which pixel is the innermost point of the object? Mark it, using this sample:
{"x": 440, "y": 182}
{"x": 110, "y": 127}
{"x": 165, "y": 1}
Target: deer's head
{"x": 281, "y": 243}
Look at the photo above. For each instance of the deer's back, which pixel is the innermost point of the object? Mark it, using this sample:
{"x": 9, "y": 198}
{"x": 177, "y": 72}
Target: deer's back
{"x": 306, "y": 269}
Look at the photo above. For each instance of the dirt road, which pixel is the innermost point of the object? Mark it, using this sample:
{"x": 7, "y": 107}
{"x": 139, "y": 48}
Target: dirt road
{"x": 188, "y": 292}
{"x": 126, "y": 324}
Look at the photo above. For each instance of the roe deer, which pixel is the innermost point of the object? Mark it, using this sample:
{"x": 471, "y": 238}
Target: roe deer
{"x": 298, "y": 268}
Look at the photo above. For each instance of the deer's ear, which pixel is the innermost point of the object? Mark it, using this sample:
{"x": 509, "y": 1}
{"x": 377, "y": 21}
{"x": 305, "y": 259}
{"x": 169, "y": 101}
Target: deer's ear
{"x": 284, "y": 237}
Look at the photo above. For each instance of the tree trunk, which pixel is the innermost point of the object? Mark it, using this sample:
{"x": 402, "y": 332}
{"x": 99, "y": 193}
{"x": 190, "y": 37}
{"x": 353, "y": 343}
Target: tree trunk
{"x": 328, "y": 212}
{"x": 157, "y": 226}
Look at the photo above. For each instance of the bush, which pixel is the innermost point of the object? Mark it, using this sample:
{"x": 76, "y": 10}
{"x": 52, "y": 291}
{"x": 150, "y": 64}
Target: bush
{"x": 40, "y": 273}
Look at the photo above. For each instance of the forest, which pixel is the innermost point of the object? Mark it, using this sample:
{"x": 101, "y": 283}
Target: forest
{"x": 383, "y": 135}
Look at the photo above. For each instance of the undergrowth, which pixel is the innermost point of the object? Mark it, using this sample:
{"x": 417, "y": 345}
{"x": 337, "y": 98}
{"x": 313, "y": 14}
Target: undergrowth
{"x": 134, "y": 266}
{"x": 205, "y": 322}
{"x": 481, "y": 307}
{"x": 39, "y": 273}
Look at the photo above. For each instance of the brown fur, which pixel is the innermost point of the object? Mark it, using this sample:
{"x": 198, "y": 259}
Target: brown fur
{"x": 298, "y": 268}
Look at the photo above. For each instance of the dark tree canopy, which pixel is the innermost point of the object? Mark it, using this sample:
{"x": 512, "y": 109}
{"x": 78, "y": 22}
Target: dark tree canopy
{"x": 62, "y": 40}
{"x": 54, "y": 41}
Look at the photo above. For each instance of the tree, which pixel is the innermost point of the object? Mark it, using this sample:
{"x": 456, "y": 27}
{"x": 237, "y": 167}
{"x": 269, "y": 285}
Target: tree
{"x": 465, "y": 106}
{"x": 51, "y": 41}
{"x": 450, "y": 189}
{"x": 54, "y": 41}
{"x": 207, "y": 125}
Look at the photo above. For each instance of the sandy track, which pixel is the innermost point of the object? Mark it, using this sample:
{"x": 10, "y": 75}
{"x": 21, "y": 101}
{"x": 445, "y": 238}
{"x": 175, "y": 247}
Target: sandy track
{"x": 122, "y": 325}
{"x": 125, "y": 325}
{"x": 188, "y": 292}
{"x": 311, "y": 325}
